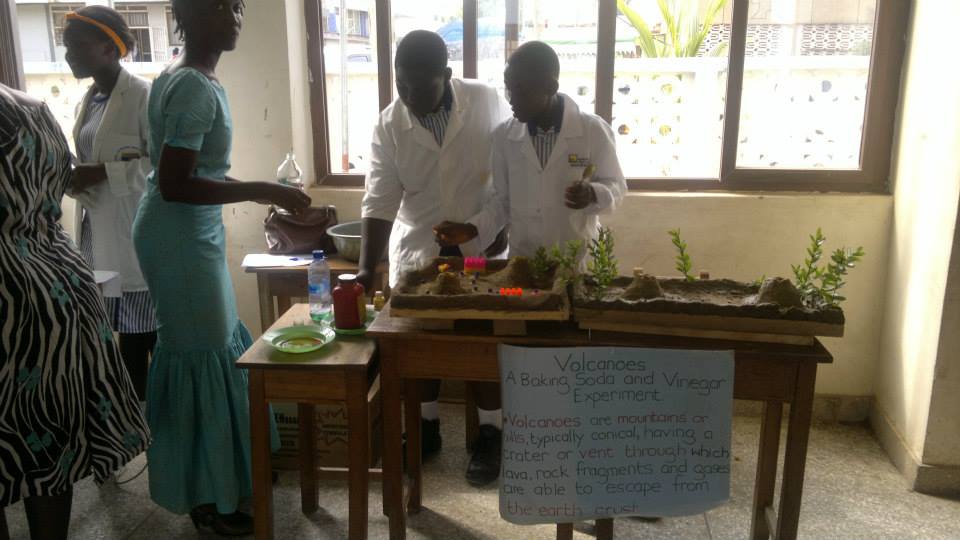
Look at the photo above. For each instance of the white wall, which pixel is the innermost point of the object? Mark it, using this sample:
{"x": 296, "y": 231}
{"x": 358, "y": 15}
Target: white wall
{"x": 33, "y": 23}
{"x": 257, "y": 79}
{"x": 927, "y": 175}
{"x": 737, "y": 236}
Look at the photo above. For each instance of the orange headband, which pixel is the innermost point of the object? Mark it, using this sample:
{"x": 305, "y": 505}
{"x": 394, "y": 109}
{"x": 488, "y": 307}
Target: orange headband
{"x": 73, "y": 16}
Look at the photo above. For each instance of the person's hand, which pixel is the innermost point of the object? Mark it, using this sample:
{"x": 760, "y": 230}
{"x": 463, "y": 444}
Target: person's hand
{"x": 580, "y": 195}
{"x": 86, "y": 176}
{"x": 289, "y": 198}
{"x": 449, "y": 233}
{"x": 365, "y": 278}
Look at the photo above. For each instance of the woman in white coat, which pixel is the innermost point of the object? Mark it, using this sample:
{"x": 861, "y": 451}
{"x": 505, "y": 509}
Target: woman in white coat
{"x": 111, "y": 135}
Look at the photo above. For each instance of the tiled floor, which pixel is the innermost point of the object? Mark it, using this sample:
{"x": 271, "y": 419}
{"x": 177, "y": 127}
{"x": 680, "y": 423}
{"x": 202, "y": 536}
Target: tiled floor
{"x": 852, "y": 491}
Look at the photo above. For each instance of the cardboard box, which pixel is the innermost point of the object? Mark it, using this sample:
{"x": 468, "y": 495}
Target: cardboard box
{"x": 331, "y": 422}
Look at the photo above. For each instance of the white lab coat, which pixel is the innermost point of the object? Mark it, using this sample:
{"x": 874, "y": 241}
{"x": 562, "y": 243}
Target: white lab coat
{"x": 531, "y": 198}
{"x": 417, "y": 184}
{"x": 121, "y": 144}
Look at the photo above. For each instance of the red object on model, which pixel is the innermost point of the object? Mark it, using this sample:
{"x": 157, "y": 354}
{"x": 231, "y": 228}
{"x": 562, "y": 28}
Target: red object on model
{"x": 349, "y": 303}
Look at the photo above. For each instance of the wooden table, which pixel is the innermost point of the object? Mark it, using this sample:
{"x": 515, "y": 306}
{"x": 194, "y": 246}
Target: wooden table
{"x": 772, "y": 373}
{"x": 288, "y": 282}
{"x": 344, "y": 370}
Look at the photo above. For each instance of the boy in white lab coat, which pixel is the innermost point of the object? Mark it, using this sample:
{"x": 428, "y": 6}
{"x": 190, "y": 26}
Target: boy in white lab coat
{"x": 431, "y": 163}
{"x": 539, "y": 160}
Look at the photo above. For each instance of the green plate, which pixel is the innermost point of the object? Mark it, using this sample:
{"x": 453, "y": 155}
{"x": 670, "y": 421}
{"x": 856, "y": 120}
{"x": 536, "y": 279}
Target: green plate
{"x": 371, "y": 315}
{"x": 299, "y": 339}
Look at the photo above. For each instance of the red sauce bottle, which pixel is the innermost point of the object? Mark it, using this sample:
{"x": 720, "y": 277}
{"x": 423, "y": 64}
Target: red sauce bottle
{"x": 349, "y": 303}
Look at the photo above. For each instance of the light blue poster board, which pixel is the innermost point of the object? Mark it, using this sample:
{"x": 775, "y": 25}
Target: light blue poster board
{"x": 600, "y": 432}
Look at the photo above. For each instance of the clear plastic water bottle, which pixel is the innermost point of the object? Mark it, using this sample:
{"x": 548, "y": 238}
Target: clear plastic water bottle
{"x": 318, "y": 285}
{"x": 289, "y": 173}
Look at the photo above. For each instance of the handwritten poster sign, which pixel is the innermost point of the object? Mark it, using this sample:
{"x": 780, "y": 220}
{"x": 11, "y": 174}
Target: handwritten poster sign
{"x": 601, "y": 432}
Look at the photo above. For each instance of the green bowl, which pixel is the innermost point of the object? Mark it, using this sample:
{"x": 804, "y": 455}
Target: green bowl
{"x": 299, "y": 339}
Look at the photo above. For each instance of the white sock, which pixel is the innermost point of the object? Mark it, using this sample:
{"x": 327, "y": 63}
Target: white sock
{"x": 430, "y": 410}
{"x": 490, "y": 418}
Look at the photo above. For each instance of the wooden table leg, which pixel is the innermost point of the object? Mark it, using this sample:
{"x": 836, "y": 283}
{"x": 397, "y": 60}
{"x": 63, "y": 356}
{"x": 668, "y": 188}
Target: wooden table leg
{"x": 283, "y": 304}
{"x": 564, "y": 531}
{"x": 766, "y": 480}
{"x": 605, "y": 529}
{"x": 392, "y": 443}
{"x": 307, "y": 450}
{"x": 358, "y": 426}
{"x": 260, "y": 466}
{"x": 795, "y": 459}
{"x": 267, "y": 313}
{"x": 411, "y": 408}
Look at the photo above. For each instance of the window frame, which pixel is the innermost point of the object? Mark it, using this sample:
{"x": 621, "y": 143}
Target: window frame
{"x": 883, "y": 89}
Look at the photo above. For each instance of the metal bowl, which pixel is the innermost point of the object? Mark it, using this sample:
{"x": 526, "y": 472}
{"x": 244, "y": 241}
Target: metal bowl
{"x": 346, "y": 236}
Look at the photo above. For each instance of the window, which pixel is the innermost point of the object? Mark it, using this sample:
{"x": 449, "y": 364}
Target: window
{"x": 58, "y": 14}
{"x": 743, "y": 95}
{"x": 138, "y": 19}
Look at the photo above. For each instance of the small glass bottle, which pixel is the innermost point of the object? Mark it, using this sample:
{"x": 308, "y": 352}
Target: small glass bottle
{"x": 379, "y": 300}
{"x": 289, "y": 172}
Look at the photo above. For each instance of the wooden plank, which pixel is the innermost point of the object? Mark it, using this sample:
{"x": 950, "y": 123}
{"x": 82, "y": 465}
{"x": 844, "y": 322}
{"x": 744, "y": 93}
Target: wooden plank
{"x": 605, "y": 529}
{"x": 342, "y": 353}
{"x": 564, "y": 531}
{"x": 358, "y": 443}
{"x": 795, "y": 455}
{"x": 343, "y": 474}
{"x": 697, "y": 333}
{"x": 392, "y": 446}
{"x": 260, "y": 458}
{"x": 766, "y": 480}
{"x": 268, "y": 314}
{"x": 509, "y": 327}
{"x": 711, "y": 322}
{"x": 307, "y": 455}
{"x": 411, "y": 411}
{"x": 437, "y": 324}
{"x": 554, "y": 334}
{"x": 305, "y": 386}
{"x": 481, "y": 314}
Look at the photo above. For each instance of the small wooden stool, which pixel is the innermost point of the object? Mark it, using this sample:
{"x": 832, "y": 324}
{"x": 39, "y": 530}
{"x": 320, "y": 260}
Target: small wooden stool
{"x": 344, "y": 370}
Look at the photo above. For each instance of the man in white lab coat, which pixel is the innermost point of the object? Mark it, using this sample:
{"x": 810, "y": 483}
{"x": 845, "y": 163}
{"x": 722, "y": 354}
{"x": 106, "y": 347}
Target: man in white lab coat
{"x": 540, "y": 158}
{"x": 430, "y": 163}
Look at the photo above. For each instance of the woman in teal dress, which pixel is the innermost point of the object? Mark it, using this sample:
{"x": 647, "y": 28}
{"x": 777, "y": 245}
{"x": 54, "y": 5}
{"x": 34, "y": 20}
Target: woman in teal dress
{"x": 197, "y": 404}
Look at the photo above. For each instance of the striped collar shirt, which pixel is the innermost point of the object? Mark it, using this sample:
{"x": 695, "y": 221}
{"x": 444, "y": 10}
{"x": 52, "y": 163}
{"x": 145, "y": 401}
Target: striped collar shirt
{"x": 436, "y": 122}
{"x": 545, "y": 139}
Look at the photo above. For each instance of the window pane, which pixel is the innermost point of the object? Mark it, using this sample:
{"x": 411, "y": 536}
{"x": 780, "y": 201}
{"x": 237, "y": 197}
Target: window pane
{"x": 444, "y": 17}
{"x": 670, "y": 90}
{"x": 805, "y": 84}
{"x": 356, "y": 97}
{"x": 569, "y": 26}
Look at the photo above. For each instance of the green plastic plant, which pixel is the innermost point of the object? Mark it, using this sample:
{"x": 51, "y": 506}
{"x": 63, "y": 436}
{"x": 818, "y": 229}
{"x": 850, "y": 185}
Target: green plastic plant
{"x": 684, "y": 33}
{"x": 567, "y": 259}
{"x": 684, "y": 264}
{"x": 820, "y": 287}
{"x": 603, "y": 263}
{"x": 806, "y": 274}
{"x": 543, "y": 264}
{"x": 832, "y": 280}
